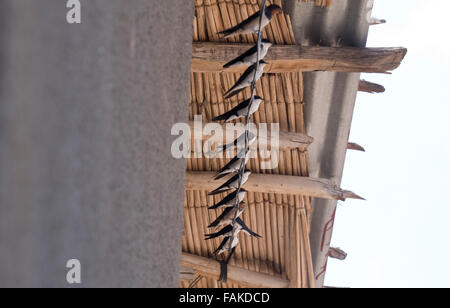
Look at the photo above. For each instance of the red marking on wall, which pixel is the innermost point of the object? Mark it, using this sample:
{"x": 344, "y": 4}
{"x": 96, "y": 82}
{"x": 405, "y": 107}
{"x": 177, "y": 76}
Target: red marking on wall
{"x": 323, "y": 269}
{"x": 327, "y": 228}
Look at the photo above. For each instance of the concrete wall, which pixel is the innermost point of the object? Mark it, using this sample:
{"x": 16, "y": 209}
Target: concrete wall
{"x": 85, "y": 118}
{"x": 329, "y": 102}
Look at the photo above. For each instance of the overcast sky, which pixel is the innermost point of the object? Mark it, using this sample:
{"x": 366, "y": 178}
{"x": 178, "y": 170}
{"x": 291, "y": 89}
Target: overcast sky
{"x": 399, "y": 237}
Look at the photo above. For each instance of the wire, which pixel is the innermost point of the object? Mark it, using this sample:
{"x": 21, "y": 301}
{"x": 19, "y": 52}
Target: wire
{"x": 247, "y": 127}
{"x": 195, "y": 281}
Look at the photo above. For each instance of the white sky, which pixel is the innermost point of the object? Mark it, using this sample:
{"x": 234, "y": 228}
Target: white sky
{"x": 399, "y": 237}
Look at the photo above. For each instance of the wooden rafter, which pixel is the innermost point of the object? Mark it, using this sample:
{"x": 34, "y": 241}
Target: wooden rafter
{"x": 245, "y": 278}
{"x": 355, "y": 147}
{"x": 210, "y": 57}
{"x": 277, "y": 184}
{"x": 370, "y": 87}
{"x": 287, "y": 140}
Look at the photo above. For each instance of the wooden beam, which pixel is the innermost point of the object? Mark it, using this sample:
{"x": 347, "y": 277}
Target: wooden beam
{"x": 277, "y": 184}
{"x": 370, "y": 87}
{"x": 287, "y": 140}
{"x": 355, "y": 147}
{"x": 376, "y": 21}
{"x": 210, "y": 57}
{"x": 337, "y": 253}
{"x": 245, "y": 278}
{"x": 187, "y": 273}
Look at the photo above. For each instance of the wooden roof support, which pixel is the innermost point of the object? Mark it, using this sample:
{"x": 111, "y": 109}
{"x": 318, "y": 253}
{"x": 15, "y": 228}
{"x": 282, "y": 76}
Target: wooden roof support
{"x": 187, "y": 273}
{"x": 210, "y": 57}
{"x": 287, "y": 140}
{"x": 277, "y": 184}
{"x": 376, "y": 21}
{"x": 370, "y": 87}
{"x": 337, "y": 253}
{"x": 355, "y": 147}
{"x": 245, "y": 278}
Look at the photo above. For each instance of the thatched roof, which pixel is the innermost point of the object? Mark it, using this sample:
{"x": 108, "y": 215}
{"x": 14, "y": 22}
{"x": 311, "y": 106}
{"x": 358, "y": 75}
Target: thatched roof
{"x": 282, "y": 215}
{"x": 282, "y": 220}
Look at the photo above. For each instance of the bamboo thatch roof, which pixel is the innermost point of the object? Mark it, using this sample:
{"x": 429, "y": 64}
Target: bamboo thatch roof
{"x": 282, "y": 220}
{"x": 278, "y": 200}
{"x": 321, "y": 3}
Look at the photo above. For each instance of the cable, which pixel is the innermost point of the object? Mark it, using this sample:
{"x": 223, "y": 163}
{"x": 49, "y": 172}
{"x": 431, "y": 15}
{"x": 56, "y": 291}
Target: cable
{"x": 247, "y": 129}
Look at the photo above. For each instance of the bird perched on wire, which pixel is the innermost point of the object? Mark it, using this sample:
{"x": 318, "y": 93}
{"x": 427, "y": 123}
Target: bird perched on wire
{"x": 233, "y": 166}
{"x": 246, "y": 79}
{"x": 228, "y": 215}
{"x": 228, "y": 230}
{"x": 251, "y": 55}
{"x": 251, "y": 24}
{"x": 228, "y": 243}
{"x": 233, "y": 182}
{"x": 239, "y": 141}
{"x": 230, "y": 199}
{"x": 241, "y": 110}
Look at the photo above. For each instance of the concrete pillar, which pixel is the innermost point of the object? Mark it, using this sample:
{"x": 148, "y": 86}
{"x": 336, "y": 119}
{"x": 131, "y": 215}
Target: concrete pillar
{"x": 329, "y": 102}
{"x": 86, "y": 112}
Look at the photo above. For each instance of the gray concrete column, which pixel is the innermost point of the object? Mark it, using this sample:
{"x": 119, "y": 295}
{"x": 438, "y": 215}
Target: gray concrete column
{"x": 329, "y": 102}
{"x": 85, "y": 118}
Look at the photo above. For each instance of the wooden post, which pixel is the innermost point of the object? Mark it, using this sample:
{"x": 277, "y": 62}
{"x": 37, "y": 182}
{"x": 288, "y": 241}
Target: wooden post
{"x": 210, "y": 57}
{"x": 245, "y": 278}
{"x": 277, "y": 184}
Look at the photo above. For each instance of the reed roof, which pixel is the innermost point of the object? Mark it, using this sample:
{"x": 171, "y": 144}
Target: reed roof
{"x": 283, "y": 220}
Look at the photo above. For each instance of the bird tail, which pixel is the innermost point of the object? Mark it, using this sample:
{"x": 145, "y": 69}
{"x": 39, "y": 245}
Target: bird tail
{"x": 215, "y": 206}
{"x": 230, "y": 90}
{"x": 245, "y": 228}
{"x": 220, "y": 175}
{"x": 220, "y": 246}
{"x": 224, "y": 266}
{"x": 223, "y": 271}
{"x": 214, "y": 223}
{"x": 231, "y": 63}
{"x": 232, "y": 93}
{"x": 216, "y": 252}
{"x": 228, "y": 32}
{"x": 222, "y": 117}
{"x": 218, "y": 191}
{"x": 210, "y": 236}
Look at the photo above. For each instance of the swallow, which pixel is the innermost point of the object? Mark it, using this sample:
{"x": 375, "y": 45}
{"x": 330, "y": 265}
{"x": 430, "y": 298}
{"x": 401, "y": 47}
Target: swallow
{"x": 251, "y": 55}
{"x": 245, "y": 229}
{"x": 228, "y": 243}
{"x": 233, "y": 166}
{"x": 246, "y": 79}
{"x": 240, "y": 140}
{"x": 231, "y": 183}
{"x": 241, "y": 110}
{"x": 230, "y": 199}
{"x": 228, "y": 230}
{"x": 251, "y": 24}
{"x": 227, "y": 216}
